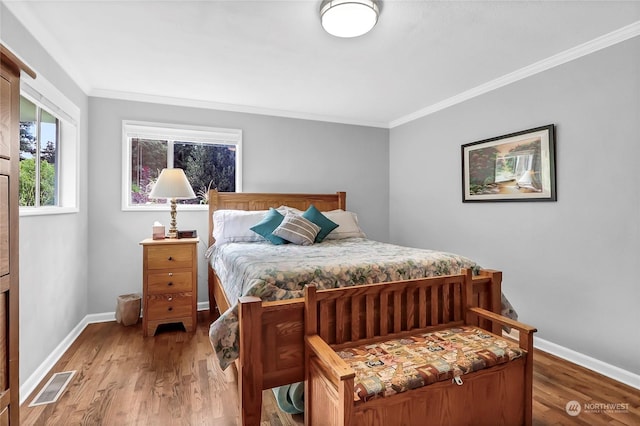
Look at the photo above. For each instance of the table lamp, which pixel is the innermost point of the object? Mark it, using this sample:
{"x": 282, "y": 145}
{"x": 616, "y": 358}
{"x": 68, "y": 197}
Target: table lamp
{"x": 172, "y": 184}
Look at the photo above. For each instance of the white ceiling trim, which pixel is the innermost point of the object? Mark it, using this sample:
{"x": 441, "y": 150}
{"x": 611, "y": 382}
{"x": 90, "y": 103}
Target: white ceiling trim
{"x": 599, "y": 43}
{"x": 168, "y": 100}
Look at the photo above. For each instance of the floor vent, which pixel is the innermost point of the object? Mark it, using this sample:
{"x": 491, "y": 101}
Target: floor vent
{"x": 53, "y": 389}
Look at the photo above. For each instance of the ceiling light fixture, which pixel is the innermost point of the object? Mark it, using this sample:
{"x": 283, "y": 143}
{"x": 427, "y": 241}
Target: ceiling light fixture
{"x": 349, "y": 18}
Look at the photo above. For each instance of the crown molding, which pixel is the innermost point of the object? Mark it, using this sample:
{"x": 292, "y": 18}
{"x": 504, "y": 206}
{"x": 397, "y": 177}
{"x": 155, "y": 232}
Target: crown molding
{"x": 168, "y": 100}
{"x": 584, "y": 49}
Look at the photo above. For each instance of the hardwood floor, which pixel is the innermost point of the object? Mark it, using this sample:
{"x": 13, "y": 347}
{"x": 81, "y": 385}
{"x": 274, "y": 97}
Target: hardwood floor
{"x": 174, "y": 379}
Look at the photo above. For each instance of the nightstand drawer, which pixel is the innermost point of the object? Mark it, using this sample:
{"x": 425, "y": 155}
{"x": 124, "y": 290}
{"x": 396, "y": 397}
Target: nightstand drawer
{"x": 169, "y": 282}
{"x": 169, "y": 306}
{"x": 170, "y": 257}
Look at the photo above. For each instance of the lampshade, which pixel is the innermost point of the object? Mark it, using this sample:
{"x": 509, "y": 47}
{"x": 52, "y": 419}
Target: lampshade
{"x": 348, "y": 18}
{"x": 172, "y": 183}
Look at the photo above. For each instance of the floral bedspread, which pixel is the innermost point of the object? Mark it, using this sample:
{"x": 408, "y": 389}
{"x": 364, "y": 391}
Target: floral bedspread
{"x": 280, "y": 272}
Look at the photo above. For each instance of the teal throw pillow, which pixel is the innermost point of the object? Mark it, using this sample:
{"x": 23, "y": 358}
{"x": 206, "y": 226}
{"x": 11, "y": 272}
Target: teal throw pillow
{"x": 271, "y": 220}
{"x": 326, "y": 225}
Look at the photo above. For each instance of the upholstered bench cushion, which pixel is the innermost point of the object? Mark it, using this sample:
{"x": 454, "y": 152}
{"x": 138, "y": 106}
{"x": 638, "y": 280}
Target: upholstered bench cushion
{"x": 395, "y": 366}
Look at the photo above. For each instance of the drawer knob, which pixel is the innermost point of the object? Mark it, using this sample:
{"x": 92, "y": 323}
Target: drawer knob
{"x": 170, "y": 309}
{"x": 170, "y": 299}
{"x": 170, "y": 274}
{"x": 169, "y": 283}
{"x": 170, "y": 258}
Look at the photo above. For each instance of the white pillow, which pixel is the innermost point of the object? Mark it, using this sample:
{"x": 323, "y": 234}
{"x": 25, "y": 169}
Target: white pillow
{"x": 230, "y": 226}
{"x": 287, "y": 209}
{"x": 347, "y": 225}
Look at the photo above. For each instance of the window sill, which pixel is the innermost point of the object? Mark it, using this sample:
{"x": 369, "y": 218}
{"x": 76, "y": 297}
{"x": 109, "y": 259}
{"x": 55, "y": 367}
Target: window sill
{"x": 165, "y": 208}
{"x": 47, "y": 211}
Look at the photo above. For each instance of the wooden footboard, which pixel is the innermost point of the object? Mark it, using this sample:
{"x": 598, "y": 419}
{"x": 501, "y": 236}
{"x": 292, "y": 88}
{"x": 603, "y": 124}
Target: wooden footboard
{"x": 272, "y": 341}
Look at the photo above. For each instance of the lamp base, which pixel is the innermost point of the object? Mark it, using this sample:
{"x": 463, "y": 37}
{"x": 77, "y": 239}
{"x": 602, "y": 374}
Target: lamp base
{"x": 173, "y": 228}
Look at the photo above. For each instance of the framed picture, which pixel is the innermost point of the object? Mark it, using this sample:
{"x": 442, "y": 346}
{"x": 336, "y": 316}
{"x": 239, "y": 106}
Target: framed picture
{"x": 515, "y": 167}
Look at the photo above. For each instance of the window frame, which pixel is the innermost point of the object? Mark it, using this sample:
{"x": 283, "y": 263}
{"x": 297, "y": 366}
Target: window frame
{"x": 168, "y": 131}
{"x": 46, "y": 96}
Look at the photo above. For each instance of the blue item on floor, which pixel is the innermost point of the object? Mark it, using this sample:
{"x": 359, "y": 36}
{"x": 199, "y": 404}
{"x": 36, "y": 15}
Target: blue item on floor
{"x": 290, "y": 398}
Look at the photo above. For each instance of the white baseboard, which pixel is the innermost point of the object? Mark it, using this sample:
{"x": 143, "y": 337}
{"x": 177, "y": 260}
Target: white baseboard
{"x": 570, "y": 355}
{"x": 611, "y": 371}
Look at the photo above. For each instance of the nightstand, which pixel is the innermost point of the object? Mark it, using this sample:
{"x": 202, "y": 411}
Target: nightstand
{"x": 170, "y": 283}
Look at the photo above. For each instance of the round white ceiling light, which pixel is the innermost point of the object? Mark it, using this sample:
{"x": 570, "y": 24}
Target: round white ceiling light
{"x": 348, "y": 18}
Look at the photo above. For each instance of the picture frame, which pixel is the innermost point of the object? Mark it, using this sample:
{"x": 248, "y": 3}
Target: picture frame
{"x": 518, "y": 166}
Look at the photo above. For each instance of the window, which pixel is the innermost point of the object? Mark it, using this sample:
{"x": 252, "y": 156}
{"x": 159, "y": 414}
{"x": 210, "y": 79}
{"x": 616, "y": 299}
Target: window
{"x": 48, "y": 150}
{"x": 210, "y": 157}
{"x": 39, "y": 134}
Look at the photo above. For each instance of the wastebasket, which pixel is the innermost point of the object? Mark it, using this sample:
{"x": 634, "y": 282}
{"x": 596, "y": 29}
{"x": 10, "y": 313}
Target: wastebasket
{"x": 128, "y": 309}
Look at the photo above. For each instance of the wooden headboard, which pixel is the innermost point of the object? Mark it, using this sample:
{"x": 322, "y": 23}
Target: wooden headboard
{"x": 262, "y": 201}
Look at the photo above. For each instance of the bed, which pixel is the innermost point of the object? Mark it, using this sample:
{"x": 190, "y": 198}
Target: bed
{"x": 266, "y": 340}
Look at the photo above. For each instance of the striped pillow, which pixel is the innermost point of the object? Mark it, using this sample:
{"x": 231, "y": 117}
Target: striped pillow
{"x": 297, "y": 230}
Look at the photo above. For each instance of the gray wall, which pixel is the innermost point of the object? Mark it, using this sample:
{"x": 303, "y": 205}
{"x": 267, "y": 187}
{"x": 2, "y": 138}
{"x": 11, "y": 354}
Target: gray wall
{"x": 53, "y": 249}
{"x": 279, "y": 155}
{"x": 570, "y": 267}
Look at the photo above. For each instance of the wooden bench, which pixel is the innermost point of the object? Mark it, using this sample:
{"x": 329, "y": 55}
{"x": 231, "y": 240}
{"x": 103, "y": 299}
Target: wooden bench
{"x": 345, "y": 320}
{"x": 272, "y": 339}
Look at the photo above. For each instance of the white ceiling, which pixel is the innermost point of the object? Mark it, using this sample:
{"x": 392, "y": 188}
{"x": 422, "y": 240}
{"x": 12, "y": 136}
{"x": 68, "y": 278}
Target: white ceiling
{"x": 274, "y": 57}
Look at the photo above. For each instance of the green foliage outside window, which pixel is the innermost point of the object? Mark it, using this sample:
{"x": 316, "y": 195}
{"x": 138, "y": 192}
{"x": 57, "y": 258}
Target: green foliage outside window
{"x": 39, "y": 132}
{"x": 207, "y": 166}
{"x": 28, "y": 183}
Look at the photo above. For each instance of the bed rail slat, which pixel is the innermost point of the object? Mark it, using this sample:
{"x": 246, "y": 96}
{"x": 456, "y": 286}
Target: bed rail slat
{"x": 422, "y": 306}
{"x": 355, "y": 318}
{"x": 445, "y": 302}
{"x": 397, "y": 312}
{"x": 457, "y": 302}
{"x": 434, "y": 305}
{"x": 411, "y": 307}
{"x": 384, "y": 313}
{"x": 340, "y": 321}
{"x": 370, "y": 315}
